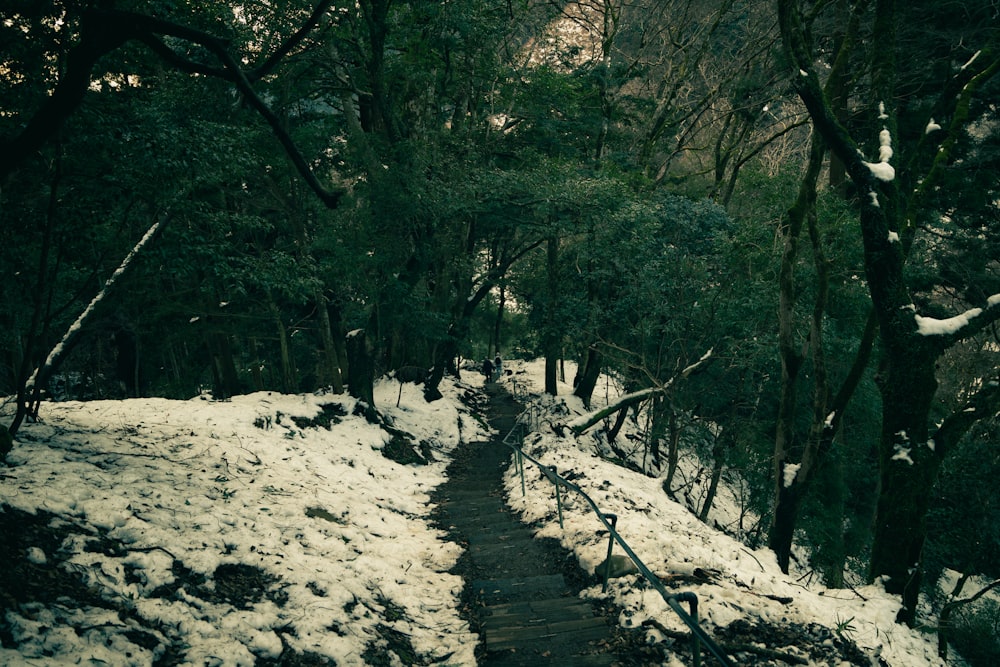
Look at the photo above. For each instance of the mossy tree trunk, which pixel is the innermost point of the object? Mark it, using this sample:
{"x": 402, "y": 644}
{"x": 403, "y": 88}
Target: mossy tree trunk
{"x": 909, "y": 455}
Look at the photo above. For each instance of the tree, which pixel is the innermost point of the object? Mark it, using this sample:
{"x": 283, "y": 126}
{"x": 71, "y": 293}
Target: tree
{"x": 85, "y": 50}
{"x": 910, "y": 449}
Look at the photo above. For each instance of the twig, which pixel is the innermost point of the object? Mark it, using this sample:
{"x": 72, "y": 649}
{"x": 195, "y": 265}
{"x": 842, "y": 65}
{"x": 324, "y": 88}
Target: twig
{"x": 748, "y": 553}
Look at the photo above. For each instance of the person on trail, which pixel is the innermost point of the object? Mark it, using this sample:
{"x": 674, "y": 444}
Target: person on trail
{"x": 488, "y": 370}
{"x": 498, "y": 367}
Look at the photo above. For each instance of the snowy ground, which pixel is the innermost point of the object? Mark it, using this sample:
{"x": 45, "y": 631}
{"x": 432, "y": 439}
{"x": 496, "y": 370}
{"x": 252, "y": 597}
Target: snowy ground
{"x": 228, "y": 533}
{"x": 336, "y": 533}
{"x": 676, "y": 546}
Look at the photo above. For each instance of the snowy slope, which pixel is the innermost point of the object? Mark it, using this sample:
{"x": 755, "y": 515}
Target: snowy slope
{"x": 224, "y": 533}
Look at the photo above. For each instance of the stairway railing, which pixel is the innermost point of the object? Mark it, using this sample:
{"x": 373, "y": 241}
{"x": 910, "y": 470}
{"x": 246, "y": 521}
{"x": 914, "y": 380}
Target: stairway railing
{"x": 513, "y": 439}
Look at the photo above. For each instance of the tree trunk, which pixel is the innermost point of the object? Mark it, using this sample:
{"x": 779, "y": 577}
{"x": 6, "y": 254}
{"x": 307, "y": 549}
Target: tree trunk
{"x": 499, "y": 319}
{"x": 552, "y": 335}
{"x": 361, "y": 372}
{"x": 587, "y": 379}
{"x": 718, "y": 462}
{"x": 287, "y": 374}
{"x": 657, "y": 419}
{"x": 674, "y": 429}
{"x": 619, "y": 422}
{"x": 830, "y": 554}
{"x": 227, "y": 381}
{"x": 329, "y": 355}
{"x": 908, "y": 468}
{"x": 909, "y": 460}
{"x": 786, "y": 451}
{"x": 786, "y": 509}
{"x": 126, "y": 361}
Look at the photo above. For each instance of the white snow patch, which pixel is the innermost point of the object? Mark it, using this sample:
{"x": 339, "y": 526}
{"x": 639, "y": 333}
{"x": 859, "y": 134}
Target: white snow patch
{"x": 902, "y": 454}
{"x": 931, "y": 127}
{"x": 883, "y": 171}
{"x": 789, "y": 472}
{"x": 929, "y": 326}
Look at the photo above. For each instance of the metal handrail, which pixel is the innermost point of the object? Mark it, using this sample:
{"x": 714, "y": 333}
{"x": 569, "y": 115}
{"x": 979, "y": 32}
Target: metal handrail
{"x": 673, "y": 600}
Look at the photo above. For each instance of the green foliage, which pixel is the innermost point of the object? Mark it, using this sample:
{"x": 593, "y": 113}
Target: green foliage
{"x": 964, "y": 521}
{"x": 975, "y": 632}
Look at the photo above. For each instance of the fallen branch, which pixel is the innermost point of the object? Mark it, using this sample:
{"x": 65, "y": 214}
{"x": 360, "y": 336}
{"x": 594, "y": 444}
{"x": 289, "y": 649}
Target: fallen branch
{"x": 581, "y": 424}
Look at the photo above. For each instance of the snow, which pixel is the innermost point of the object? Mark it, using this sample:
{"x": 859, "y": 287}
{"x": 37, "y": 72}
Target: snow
{"x": 931, "y": 127}
{"x": 196, "y": 481}
{"x": 882, "y": 170}
{"x": 347, "y": 533}
{"x": 929, "y": 326}
{"x": 74, "y": 328}
{"x": 671, "y": 541}
{"x": 902, "y": 453}
{"x": 971, "y": 60}
{"x": 893, "y": 237}
{"x": 789, "y": 472}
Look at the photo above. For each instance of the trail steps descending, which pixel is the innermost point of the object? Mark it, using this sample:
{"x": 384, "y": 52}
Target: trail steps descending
{"x": 522, "y": 591}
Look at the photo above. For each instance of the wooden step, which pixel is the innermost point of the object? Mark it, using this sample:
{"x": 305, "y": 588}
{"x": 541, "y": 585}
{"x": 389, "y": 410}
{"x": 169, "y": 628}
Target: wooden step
{"x": 508, "y": 589}
{"x": 565, "y": 632}
{"x": 535, "y": 611}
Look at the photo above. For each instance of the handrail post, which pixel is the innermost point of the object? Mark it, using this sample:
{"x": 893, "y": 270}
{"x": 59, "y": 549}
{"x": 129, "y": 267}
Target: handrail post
{"x": 555, "y": 481}
{"x": 613, "y": 520}
{"x": 520, "y": 465}
{"x": 696, "y": 642}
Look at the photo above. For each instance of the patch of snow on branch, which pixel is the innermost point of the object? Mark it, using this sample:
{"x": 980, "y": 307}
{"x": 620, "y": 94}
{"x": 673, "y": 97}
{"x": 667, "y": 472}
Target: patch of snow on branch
{"x": 902, "y": 454}
{"x": 882, "y": 170}
{"x": 971, "y": 60}
{"x": 789, "y": 472}
{"x": 929, "y": 326}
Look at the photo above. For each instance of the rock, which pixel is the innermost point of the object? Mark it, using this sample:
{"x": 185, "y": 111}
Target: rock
{"x": 620, "y": 566}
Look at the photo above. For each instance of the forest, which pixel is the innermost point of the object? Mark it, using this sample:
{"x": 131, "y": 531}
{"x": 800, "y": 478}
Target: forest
{"x": 775, "y": 223}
